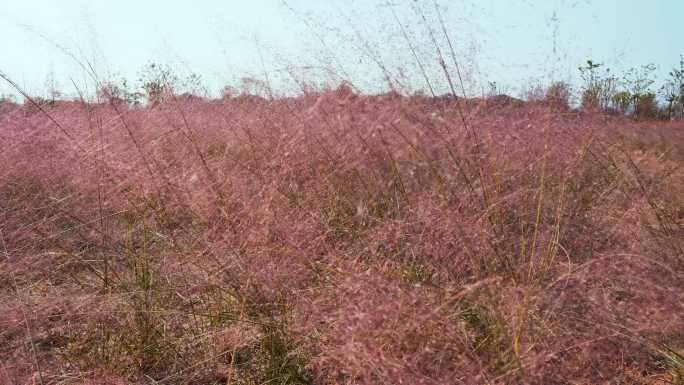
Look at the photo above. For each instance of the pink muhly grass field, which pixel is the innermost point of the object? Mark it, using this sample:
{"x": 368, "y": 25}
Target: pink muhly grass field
{"x": 337, "y": 238}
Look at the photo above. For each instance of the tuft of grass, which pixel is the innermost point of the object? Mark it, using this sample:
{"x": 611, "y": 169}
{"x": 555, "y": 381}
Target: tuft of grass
{"x": 414, "y": 273}
{"x": 491, "y": 337}
{"x": 673, "y": 362}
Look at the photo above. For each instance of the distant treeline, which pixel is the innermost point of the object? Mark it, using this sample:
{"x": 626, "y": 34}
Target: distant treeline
{"x": 631, "y": 93}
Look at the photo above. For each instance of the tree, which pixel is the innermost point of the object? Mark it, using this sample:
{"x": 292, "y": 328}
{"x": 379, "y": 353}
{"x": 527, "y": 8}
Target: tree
{"x": 673, "y": 91}
{"x": 118, "y": 92}
{"x": 622, "y": 101}
{"x": 53, "y": 92}
{"x": 252, "y": 86}
{"x": 160, "y": 83}
{"x": 193, "y": 85}
{"x": 645, "y": 105}
{"x": 599, "y": 86}
{"x": 558, "y": 95}
{"x": 7, "y": 98}
{"x": 157, "y": 82}
{"x": 638, "y": 81}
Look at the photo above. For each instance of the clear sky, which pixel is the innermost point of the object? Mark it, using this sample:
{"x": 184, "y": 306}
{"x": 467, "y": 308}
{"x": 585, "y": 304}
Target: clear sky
{"x": 512, "y": 42}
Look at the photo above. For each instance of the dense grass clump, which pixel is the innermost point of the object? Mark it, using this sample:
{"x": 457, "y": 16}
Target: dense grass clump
{"x": 338, "y": 238}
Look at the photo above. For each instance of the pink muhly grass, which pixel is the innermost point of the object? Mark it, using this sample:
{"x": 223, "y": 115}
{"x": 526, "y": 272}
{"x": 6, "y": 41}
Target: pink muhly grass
{"x": 338, "y": 238}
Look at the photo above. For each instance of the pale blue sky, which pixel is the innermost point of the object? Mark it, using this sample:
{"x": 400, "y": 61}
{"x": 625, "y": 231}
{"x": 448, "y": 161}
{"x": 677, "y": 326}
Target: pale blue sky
{"x": 512, "y": 42}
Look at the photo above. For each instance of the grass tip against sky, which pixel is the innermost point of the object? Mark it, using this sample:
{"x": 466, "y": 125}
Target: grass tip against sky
{"x": 511, "y": 43}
